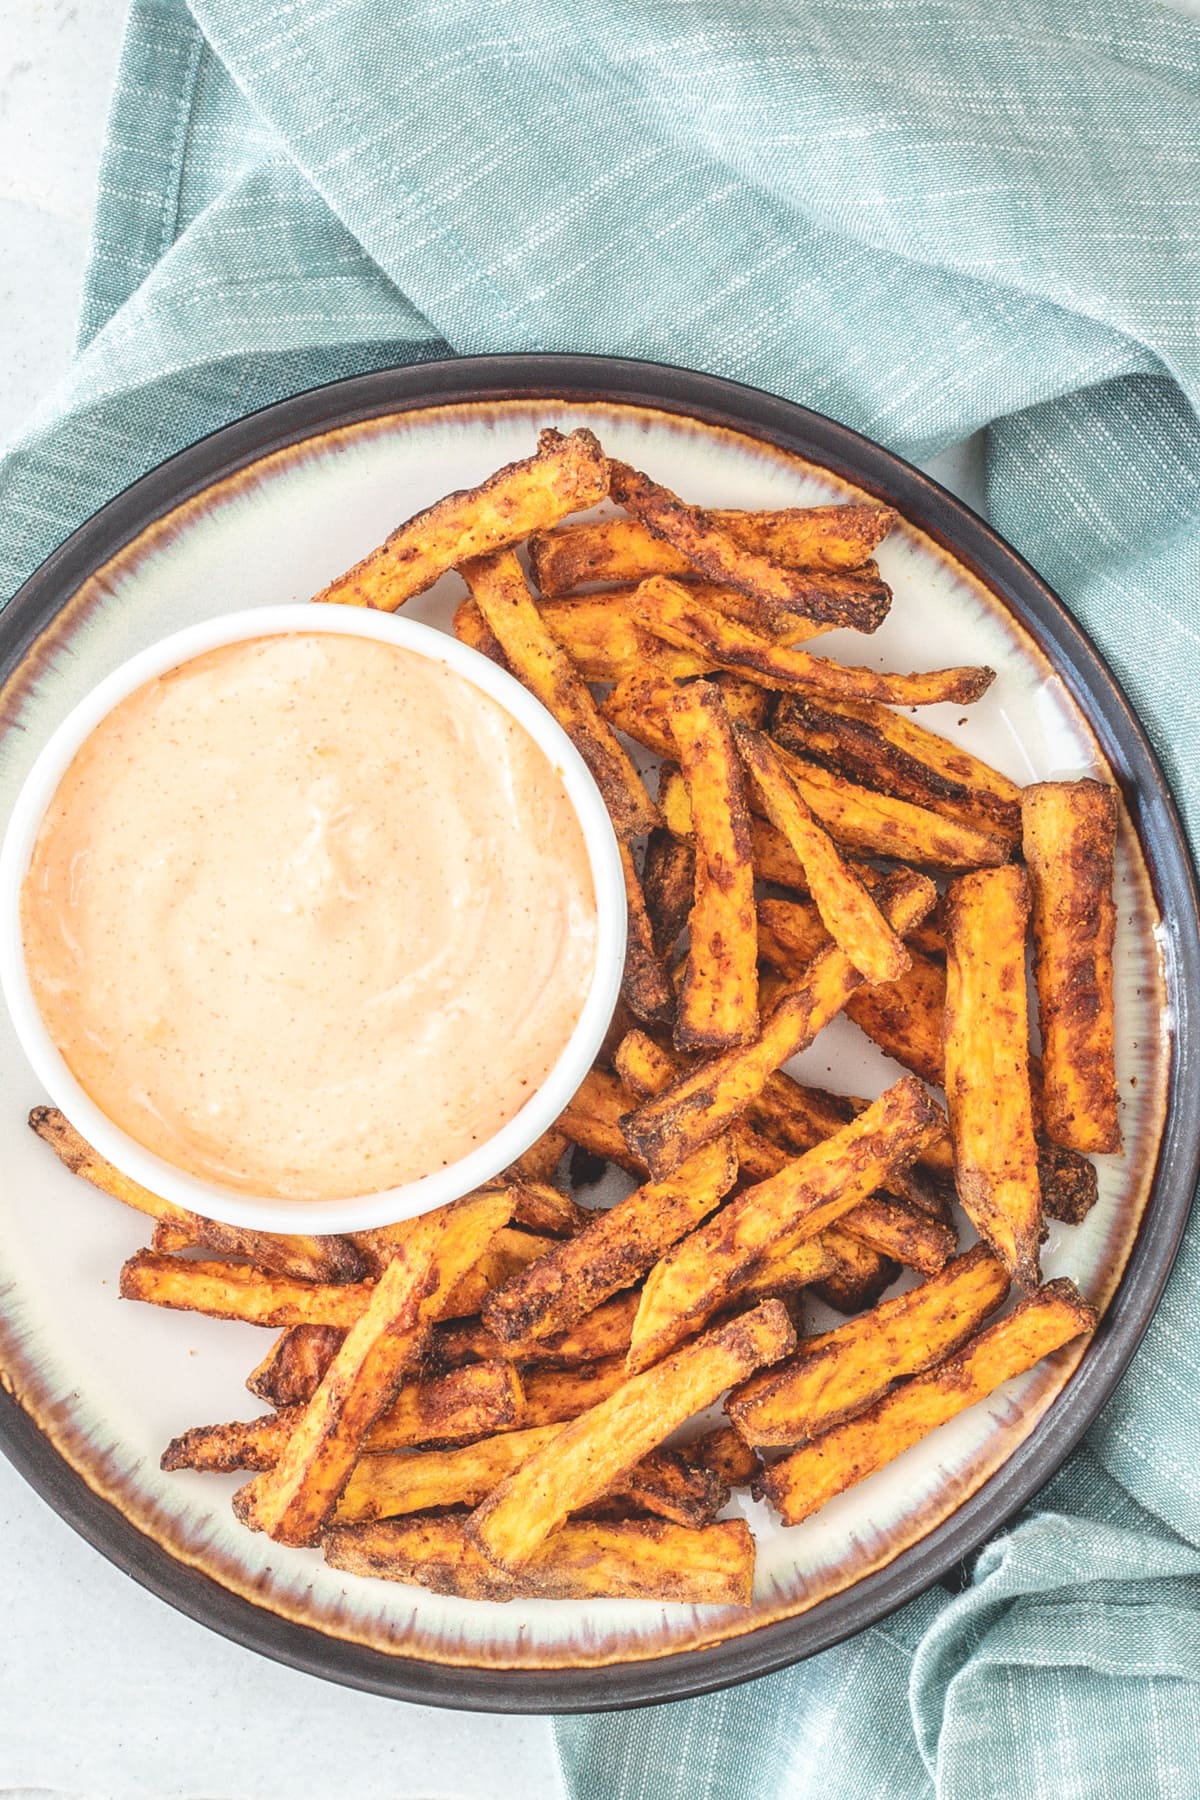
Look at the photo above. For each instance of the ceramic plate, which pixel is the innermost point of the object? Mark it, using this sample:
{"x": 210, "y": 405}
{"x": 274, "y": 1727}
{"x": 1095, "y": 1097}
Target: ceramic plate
{"x": 266, "y": 512}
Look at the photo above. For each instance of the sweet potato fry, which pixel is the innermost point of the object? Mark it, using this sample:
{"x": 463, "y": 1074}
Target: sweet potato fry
{"x": 668, "y": 877}
{"x": 465, "y": 1403}
{"x": 847, "y": 1454}
{"x": 640, "y": 706}
{"x": 893, "y": 754}
{"x": 987, "y": 1065}
{"x": 707, "y": 1269}
{"x": 667, "y": 1484}
{"x": 601, "y": 1334}
{"x": 500, "y": 1261}
{"x": 1068, "y": 1182}
{"x": 826, "y": 599}
{"x": 618, "y": 1559}
{"x": 538, "y": 1164}
{"x": 593, "y": 1453}
{"x": 787, "y": 1271}
{"x": 905, "y": 1017}
{"x": 614, "y": 1250}
{"x": 292, "y": 1501}
{"x": 593, "y": 1121}
{"x": 645, "y": 985}
{"x": 498, "y": 586}
{"x": 307, "y": 1258}
{"x": 842, "y": 1372}
{"x": 846, "y": 908}
{"x": 1070, "y": 831}
{"x": 565, "y": 476}
{"x": 813, "y": 537}
{"x": 861, "y": 1276}
{"x": 703, "y": 1102}
{"x": 770, "y": 853}
{"x": 384, "y": 1485}
{"x": 232, "y": 1291}
{"x": 292, "y": 1370}
{"x": 718, "y": 1001}
{"x": 667, "y": 609}
{"x": 546, "y": 1209}
{"x": 222, "y": 1449}
{"x": 605, "y": 640}
{"x": 725, "y": 1451}
{"x": 552, "y": 1396}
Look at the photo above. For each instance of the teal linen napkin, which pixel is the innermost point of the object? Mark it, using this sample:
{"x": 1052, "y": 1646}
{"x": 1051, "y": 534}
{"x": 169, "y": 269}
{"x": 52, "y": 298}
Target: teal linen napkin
{"x": 923, "y": 218}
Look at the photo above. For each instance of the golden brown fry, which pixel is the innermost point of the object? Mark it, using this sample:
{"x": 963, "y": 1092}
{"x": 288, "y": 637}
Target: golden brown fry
{"x": 667, "y": 609}
{"x": 307, "y": 1258}
{"x": 645, "y": 986}
{"x": 987, "y": 1065}
{"x": 292, "y": 1501}
{"x": 881, "y": 825}
{"x": 905, "y": 1018}
{"x": 1070, "y": 833}
{"x": 546, "y": 1209}
{"x": 498, "y": 586}
{"x": 1068, "y": 1180}
{"x": 232, "y": 1291}
{"x": 667, "y": 1484}
{"x": 810, "y": 537}
{"x": 384, "y": 1485}
{"x": 604, "y": 639}
{"x": 846, "y": 908}
{"x": 901, "y": 1231}
{"x": 593, "y": 1121}
{"x": 614, "y": 1250}
{"x": 787, "y": 1271}
{"x": 470, "y": 627}
{"x": 723, "y": 1450}
{"x": 827, "y": 599}
{"x": 292, "y": 1370}
{"x": 703, "y": 1102}
{"x": 861, "y": 1276}
{"x": 770, "y": 852}
{"x": 602, "y": 1334}
{"x": 500, "y": 1261}
{"x": 464, "y": 1403}
{"x": 537, "y": 1165}
{"x": 594, "y": 1452}
{"x": 565, "y": 476}
{"x": 893, "y": 754}
{"x": 552, "y": 1396}
{"x": 668, "y": 877}
{"x": 222, "y": 1449}
{"x": 847, "y": 1454}
{"x": 618, "y": 1559}
{"x": 640, "y": 706}
{"x": 706, "y": 1270}
{"x": 718, "y": 1001}
{"x": 842, "y": 1372}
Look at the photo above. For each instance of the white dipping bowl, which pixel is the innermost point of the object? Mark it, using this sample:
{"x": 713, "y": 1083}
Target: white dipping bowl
{"x": 362, "y": 1211}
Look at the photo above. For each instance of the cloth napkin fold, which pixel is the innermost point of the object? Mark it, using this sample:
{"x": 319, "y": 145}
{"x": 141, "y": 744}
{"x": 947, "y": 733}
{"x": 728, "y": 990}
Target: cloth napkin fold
{"x": 921, "y": 216}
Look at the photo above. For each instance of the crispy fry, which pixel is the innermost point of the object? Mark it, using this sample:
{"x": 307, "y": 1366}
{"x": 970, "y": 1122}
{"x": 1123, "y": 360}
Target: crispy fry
{"x": 465, "y": 1403}
{"x": 861, "y": 1276}
{"x": 501, "y": 1260}
{"x": 593, "y": 1121}
{"x": 605, "y": 640}
{"x": 881, "y": 825}
{"x": 827, "y": 599}
{"x": 602, "y": 1334}
{"x": 221, "y": 1449}
{"x": 1070, "y": 831}
{"x": 565, "y": 476}
{"x": 893, "y": 754}
{"x": 546, "y": 1209}
{"x": 645, "y": 986}
{"x": 987, "y": 1065}
{"x": 846, "y": 908}
{"x": 706, "y": 1270}
{"x": 307, "y": 1258}
{"x": 614, "y": 1250}
{"x": 725, "y": 1451}
{"x": 626, "y": 1559}
{"x": 1068, "y": 1182}
{"x": 552, "y": 1396}
{"x": 703, "y": 1101}
{"x": 668, "y": 876}
{"x": 842, "y": 1372}
{"x": 787, "y": 1271}
{"x": 810, "y": 537}
{"x": 895, "y": 1228}
{"x": 718, "y": 1001}
{"x": 292, "y": 1501}
{"x": 770, "y": 852}
{"x": 498, "y": 586}
{"x": 640, "y": 706}
{"x": 292, "y": 1370}
{"x": 667, "y": 609}
{"x": 232, "y": 1291}
{"x": 667, "y": 1484}
{"x": 847, "y": 1454}
{"x": 383, "y": 1485}
{"x": 538, "y": 1164}
{"x": 593, "y": 1453}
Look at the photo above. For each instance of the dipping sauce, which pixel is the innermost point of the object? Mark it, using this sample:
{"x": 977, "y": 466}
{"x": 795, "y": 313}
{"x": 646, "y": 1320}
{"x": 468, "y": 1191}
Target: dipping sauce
{"x": 310, "y": 916}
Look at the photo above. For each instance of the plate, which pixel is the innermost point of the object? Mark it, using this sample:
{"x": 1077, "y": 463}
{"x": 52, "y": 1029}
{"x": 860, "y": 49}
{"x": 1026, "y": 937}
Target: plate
{"x": 266, "y": 511}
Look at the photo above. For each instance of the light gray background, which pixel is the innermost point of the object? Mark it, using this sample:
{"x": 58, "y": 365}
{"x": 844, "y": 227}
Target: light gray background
{"x": 104, "y": 1691}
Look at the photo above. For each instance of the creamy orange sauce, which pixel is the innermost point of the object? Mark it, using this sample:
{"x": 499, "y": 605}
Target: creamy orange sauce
{"x": 310, "y": 916}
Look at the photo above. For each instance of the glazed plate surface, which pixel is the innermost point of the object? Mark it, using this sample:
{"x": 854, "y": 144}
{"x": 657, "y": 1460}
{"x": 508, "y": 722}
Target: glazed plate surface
{"x": 267, "y": 512}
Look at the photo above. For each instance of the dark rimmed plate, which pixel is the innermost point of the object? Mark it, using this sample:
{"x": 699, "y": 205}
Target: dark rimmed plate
{"x": 266, "y": 511}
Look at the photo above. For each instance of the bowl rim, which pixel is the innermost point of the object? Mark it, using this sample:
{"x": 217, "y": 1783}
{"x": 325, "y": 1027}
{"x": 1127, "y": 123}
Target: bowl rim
{"x": 387, "y": 1206}
{"x": 940, "y": 1556}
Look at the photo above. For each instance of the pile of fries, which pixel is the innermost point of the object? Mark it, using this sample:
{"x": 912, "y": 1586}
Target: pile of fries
{"x": 479, "y": 1400}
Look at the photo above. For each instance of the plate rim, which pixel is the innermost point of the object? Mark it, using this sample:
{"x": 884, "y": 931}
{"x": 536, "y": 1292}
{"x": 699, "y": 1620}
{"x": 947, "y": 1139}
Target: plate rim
{"x": 1076, "y": 660}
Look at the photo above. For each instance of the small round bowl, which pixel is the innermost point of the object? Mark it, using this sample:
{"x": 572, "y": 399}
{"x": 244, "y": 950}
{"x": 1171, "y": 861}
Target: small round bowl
{"x": 362, "y": 1211}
